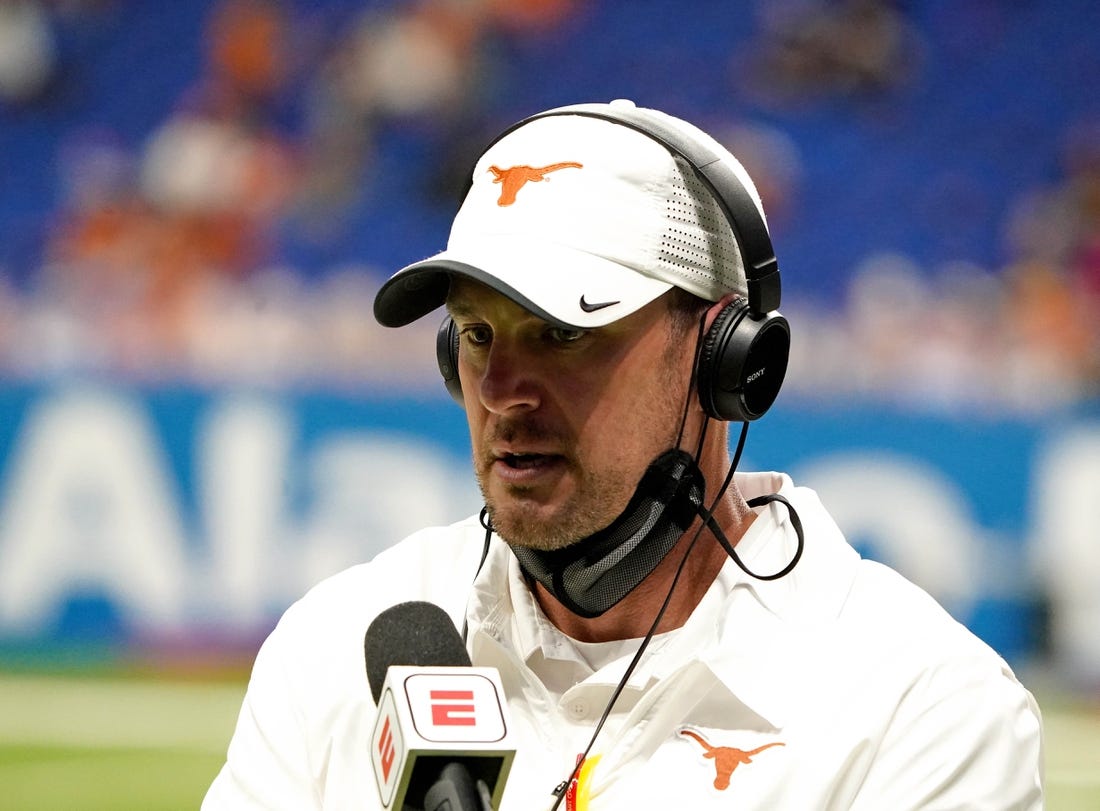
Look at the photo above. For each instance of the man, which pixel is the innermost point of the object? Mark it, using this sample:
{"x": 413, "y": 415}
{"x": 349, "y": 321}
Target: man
{"x": 611, "y": 305}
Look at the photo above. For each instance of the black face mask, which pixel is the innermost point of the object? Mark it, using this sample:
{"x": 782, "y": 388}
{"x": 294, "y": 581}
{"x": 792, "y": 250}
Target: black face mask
{"x": 594, "y": 574}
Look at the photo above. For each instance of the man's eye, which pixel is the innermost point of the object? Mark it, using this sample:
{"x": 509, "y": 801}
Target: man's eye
{"x": 476, "y": 334}
{"x": 565, "y": 335}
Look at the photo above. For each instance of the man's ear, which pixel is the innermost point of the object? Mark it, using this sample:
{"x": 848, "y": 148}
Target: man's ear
{"x": 717, "y": 307}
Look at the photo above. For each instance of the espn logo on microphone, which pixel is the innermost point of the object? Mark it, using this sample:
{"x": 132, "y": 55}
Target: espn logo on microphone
{"x": 459, "y": 707}
{"x": 429, "y": 714}
{"x": 387, "y": 746}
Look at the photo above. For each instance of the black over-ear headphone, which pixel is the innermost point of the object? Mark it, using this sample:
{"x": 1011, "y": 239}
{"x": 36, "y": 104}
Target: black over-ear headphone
{"x": 743, "y": 357}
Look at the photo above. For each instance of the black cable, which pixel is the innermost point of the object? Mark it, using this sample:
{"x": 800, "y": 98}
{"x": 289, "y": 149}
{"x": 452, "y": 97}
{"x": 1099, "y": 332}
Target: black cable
{"x": 760, "y": 501}
{"x": 708, "y": 522}
{"x": 561, "y": 789}
{"x": 691, "y": 380}
{"x": 482, "y": 517}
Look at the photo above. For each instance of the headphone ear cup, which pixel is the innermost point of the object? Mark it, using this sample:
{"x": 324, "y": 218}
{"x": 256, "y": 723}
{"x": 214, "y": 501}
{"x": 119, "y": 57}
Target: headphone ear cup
{"x": 707, "y": 372}
{"x": 446, "y": 355}
{"x": 742, "y": 363}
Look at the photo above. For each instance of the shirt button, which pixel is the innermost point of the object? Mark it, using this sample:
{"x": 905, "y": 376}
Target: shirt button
{"x": 579, "y": 709}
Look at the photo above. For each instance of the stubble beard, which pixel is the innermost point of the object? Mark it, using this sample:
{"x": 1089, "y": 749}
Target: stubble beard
{"x": 601, "y": 491}
{"x": 521, "y": 520}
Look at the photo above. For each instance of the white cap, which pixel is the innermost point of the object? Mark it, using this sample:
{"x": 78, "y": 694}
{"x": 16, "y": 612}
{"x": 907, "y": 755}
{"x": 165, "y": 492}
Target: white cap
{"x": 581, "y": 221}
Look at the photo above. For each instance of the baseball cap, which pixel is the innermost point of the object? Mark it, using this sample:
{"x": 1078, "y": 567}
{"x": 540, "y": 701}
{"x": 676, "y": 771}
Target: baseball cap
{"x": 581, "y": 221}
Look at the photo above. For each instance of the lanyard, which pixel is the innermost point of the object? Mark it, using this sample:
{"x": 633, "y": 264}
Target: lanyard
{"x": 576, "y": 794}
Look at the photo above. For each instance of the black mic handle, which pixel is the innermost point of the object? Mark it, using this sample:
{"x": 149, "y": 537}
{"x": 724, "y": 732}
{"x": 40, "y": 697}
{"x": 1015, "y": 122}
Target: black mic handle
{"x": 455, "y": 791}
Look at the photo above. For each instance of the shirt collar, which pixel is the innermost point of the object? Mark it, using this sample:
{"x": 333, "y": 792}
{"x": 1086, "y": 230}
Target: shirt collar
{"x": 819, "y": 584}
{"x": 749, "y": 633}
{"x": 769, "y": 625}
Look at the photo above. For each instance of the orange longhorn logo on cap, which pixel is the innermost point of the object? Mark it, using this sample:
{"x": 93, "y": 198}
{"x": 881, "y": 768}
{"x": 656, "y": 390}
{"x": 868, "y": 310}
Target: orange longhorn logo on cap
{"x": 513, "y": 178}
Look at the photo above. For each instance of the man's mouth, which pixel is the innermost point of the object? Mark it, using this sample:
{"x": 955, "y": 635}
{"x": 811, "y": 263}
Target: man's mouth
{"x": 525, "y": 461}
{"x": 527, "y": 468}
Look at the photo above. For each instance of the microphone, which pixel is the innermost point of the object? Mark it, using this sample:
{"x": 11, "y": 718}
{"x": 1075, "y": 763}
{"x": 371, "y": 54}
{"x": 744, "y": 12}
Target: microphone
{"x": 441, "y": 739}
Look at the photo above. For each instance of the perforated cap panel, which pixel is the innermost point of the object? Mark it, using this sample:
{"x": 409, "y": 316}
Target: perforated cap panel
{"x": 698, "y": 247}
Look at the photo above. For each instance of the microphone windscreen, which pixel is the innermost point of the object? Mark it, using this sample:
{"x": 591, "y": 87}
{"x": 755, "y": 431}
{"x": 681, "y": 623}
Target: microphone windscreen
{"x": 416, "y": 634}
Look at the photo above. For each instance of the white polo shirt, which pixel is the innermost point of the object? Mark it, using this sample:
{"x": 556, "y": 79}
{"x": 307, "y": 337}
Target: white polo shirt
{"x": 839, "y": 686}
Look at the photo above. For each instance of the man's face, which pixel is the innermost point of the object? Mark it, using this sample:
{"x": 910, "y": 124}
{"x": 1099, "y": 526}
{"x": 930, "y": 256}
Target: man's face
{"x": 564, "y": 422}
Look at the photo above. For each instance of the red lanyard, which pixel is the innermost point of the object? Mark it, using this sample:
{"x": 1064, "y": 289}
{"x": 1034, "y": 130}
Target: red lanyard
{"x": 571, "y": 789}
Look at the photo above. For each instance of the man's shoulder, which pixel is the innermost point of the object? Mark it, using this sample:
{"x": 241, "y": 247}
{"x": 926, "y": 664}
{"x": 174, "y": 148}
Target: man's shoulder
{"x": 882, "y": 596}
{"x": 910, "y": 633}
{"x": 870, "y": 597}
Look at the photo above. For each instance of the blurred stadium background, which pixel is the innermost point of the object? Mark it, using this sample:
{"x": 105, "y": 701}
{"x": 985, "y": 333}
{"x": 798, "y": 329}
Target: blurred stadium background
{"x": 199, "y": 419}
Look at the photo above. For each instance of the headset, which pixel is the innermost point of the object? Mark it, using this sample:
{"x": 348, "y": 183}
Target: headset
{"x": 742, "y": 359}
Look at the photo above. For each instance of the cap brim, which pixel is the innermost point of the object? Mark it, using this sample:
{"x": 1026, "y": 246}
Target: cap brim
{"x": 559, "y": 285}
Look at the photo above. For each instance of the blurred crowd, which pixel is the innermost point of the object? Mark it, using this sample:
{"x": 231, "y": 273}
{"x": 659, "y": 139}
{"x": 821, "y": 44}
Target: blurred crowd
{"x": 166, "y": 262}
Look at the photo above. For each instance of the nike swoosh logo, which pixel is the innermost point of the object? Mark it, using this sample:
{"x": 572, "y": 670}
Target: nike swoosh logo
{"x": 591, "y": 308}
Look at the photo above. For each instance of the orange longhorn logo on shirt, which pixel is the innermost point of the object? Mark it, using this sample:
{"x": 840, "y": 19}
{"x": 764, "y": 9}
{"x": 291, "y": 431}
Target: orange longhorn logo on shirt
{"x": 514, "y": 178}
{"x": 726, "y": 758}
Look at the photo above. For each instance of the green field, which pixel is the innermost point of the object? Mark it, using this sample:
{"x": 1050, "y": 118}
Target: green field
{"x": 147, "y": 744}
{"x": 110, "y": 744}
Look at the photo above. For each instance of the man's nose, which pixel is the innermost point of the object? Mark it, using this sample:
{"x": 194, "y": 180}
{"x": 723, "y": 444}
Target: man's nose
{"x": 509, "y": 380}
